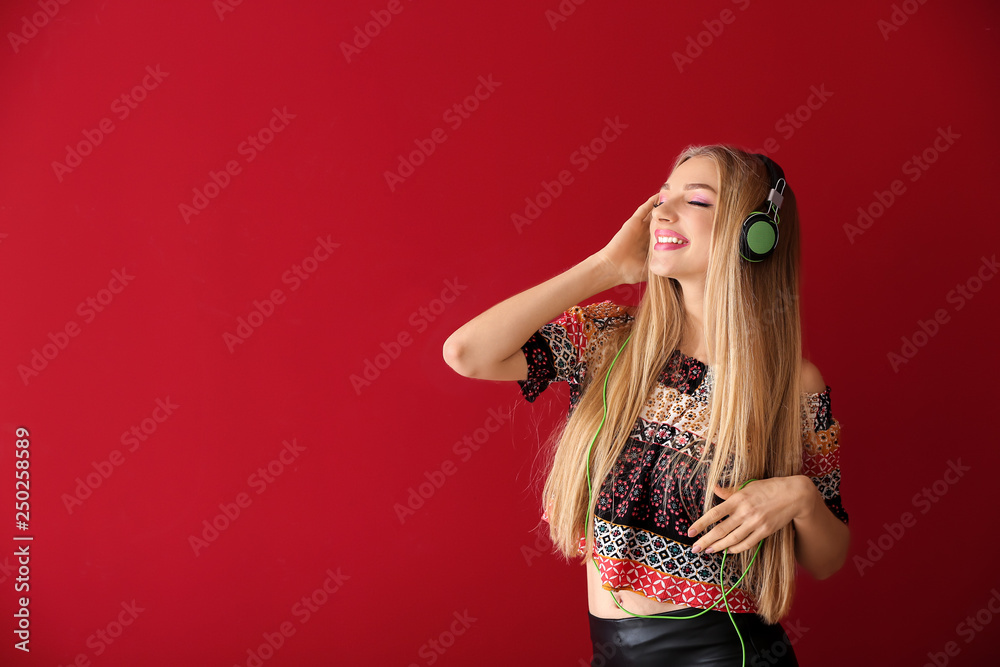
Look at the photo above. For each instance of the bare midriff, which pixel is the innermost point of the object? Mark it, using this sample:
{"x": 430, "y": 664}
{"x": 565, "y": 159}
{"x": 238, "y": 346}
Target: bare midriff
{"x": 603, "y": 606}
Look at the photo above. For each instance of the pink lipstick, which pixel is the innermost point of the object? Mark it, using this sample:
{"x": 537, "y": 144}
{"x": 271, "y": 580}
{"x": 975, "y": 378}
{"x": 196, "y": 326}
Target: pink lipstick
{"x": 662, "y": 244}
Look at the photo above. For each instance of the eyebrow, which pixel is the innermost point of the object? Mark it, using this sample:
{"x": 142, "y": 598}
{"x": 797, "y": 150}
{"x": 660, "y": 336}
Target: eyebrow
{"x": 693, "y": 186}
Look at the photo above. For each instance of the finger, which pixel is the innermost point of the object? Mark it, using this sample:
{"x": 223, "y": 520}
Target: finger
{"x": 735, "y": 541}
{"x": 718, "y": 512}
{"x": 717, "y": 533}
{"x": 750, "y": 542}
{"x": 699, "y": 525}
{"x": 704, "y": 522}
{"x": 647, "y": 206}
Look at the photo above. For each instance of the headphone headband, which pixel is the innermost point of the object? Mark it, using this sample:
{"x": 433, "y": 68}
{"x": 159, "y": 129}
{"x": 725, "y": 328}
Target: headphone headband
{"x": 775, "y": 179}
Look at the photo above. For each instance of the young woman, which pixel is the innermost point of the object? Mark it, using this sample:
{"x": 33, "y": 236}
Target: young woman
{"x": 700, "y": 388}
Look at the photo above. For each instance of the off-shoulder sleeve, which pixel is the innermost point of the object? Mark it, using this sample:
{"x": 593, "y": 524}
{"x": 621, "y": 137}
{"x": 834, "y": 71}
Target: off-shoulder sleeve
{"x": 821, "y": 449}
{"x": 561, "y": 349}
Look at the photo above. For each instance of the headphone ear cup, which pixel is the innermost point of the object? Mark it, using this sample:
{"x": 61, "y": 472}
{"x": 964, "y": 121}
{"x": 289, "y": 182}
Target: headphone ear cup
{"x": 758, "y": 238}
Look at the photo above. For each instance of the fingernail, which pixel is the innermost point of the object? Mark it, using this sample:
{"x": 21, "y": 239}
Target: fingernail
{"x": 696, "y": 548}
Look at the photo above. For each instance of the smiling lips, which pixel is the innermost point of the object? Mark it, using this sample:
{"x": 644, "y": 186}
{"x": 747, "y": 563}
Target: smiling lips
{"x": 668, "y": 240}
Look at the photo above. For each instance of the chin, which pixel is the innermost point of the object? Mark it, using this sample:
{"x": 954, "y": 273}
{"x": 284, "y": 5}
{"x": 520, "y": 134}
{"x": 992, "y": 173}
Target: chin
{"x": 662, "y": 272}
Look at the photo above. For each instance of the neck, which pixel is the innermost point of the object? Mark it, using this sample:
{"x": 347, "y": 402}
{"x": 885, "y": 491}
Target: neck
{"x": 692, "y": 339}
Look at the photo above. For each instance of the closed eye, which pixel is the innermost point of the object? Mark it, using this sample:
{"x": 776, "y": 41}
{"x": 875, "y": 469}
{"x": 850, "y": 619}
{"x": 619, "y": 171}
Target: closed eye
{"x": 693, "y": 201}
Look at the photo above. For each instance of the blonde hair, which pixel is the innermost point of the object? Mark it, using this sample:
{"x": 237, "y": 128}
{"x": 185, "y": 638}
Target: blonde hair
{"x": 753, "y": 337}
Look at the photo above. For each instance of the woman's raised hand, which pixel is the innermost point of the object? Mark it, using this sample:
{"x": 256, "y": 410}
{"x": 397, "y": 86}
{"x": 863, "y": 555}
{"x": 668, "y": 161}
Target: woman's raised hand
{"x": 489, "y": 346}
{"x": 626, "y": 253}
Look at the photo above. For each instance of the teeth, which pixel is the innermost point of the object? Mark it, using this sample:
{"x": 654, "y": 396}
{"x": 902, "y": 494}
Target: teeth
{"x": 670, "y": 239}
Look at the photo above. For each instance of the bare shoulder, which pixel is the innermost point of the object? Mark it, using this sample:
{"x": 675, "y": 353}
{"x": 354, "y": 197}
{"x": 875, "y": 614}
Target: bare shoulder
{"x": 810, "y": 377}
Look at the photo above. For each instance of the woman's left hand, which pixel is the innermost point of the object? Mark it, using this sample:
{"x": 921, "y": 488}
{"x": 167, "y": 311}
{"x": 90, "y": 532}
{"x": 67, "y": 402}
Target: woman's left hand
{"x": 761, "y": 508}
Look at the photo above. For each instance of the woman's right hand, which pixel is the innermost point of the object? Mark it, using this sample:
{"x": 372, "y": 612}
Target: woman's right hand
{"x": 627, "y": 252}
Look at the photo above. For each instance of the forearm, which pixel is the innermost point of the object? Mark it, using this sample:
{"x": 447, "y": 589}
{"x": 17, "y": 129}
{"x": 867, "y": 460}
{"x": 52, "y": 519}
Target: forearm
{"x": 821, "y": 539}
{"x": 479, "y": 347}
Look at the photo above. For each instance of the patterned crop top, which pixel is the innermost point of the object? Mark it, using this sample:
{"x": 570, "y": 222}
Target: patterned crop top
{"x": 640, "y": 527}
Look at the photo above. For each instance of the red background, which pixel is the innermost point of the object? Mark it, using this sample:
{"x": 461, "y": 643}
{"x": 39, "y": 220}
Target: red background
{"x": 472, "y": 547}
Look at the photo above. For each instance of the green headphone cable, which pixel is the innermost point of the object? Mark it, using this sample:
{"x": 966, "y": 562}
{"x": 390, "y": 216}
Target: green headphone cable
{"x": 722, "y": 567}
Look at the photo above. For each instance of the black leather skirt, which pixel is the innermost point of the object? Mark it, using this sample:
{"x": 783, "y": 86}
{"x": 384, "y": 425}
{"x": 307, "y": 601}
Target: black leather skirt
{"x": 708, "y": 639}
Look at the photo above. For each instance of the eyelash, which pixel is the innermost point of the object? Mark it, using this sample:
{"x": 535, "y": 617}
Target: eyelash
{"x": 695, "y": 203}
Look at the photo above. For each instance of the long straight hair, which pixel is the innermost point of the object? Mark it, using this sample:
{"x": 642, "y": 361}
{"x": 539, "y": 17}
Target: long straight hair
{"x": 753, "y": 337}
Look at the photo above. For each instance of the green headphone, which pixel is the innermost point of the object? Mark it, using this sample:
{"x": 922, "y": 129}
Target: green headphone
{"x": 759, "y": 234}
